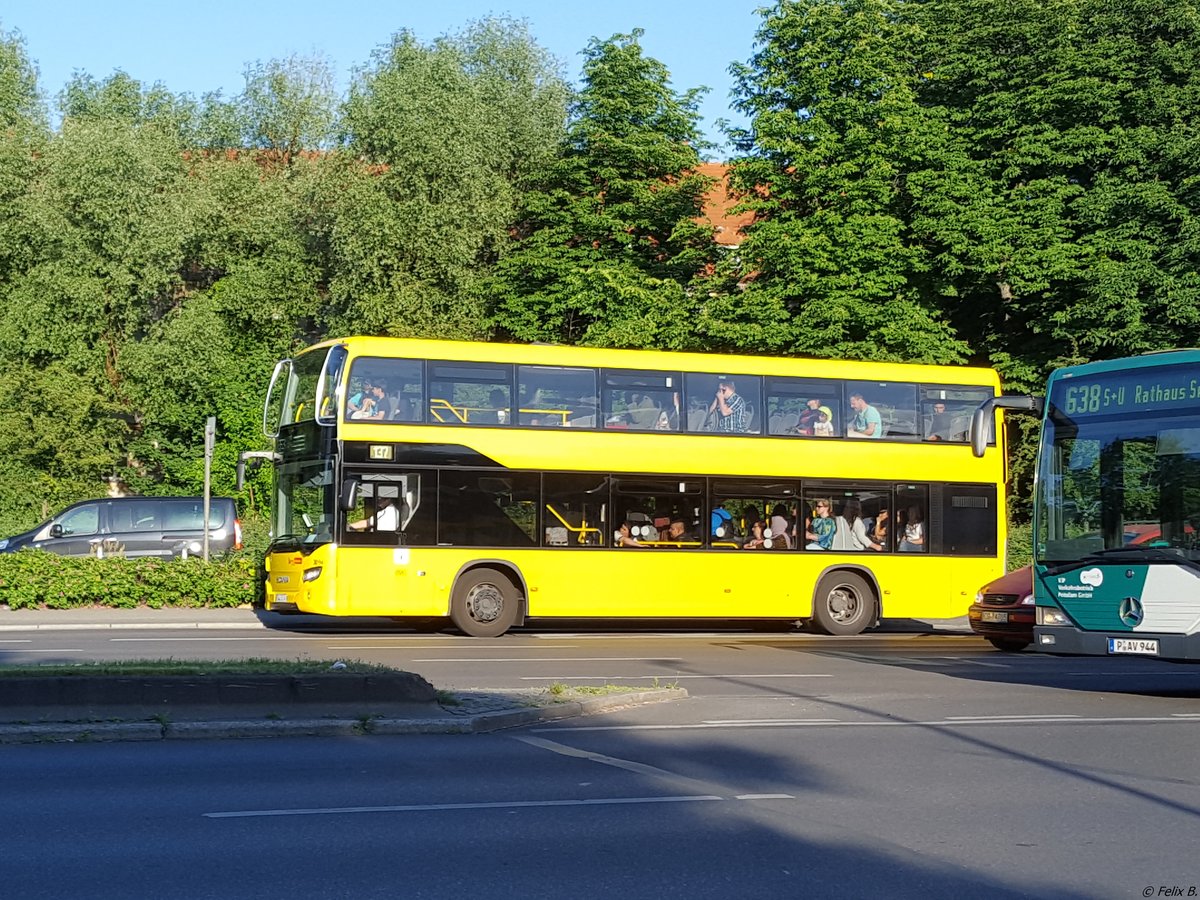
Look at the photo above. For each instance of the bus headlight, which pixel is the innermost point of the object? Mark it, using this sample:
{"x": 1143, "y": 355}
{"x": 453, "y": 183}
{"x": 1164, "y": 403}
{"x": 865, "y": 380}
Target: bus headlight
{"x": 312, "y": 574}
{"x": 1047, "y": 615}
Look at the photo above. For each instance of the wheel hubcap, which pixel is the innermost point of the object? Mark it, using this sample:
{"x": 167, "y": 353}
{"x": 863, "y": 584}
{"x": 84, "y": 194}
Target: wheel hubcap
{"x": 485, "y": 602}
{"x": 843, "y": 603}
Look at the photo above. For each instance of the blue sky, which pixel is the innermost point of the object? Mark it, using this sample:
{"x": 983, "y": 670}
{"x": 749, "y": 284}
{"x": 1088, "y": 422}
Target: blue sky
{"x": 201, "y": 47}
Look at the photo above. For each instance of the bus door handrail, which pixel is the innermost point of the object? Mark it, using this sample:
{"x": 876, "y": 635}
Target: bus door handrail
{"x": 580, "y": 532}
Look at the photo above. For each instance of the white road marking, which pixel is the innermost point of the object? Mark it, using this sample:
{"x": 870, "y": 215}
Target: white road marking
{"x": 1008, "y": 718}
{"x": 930, "y": 723}
{"x": 46, "y": 650}
{"x": 771, "y": 721}
{"x": 438, "y": 807}
{"x": 765, "y": 797}
{"x": 166, "y": 640}
{"x": 657, "y": 675}
{"x": 530, "y": 659}
{"x": 17, "y": 642}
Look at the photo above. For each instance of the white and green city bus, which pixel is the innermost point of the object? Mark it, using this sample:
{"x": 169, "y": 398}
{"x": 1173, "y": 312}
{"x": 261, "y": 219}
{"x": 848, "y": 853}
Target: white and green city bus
{"x": 1117, "y": 507}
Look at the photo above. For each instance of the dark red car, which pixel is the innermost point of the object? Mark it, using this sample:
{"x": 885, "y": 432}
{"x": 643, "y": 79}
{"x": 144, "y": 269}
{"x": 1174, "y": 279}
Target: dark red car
{"x": 1003, "y": 611}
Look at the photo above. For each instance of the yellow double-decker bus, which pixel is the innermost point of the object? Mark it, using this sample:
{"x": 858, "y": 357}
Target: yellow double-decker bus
{"x": 493, "y": 484}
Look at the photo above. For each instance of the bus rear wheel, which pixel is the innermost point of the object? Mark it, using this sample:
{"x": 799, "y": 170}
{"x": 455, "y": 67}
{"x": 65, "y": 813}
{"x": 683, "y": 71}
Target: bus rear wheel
{"x": 844, "y": 604}
{"x": 484, "y": 603}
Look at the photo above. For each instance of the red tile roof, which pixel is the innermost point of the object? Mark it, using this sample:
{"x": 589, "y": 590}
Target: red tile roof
{"x": 717, "y": 205}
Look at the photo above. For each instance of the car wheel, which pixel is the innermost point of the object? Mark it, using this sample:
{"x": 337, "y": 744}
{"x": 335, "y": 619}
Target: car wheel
{"x": 484, "y": 603}
{"x": 1009, "y": 645}
{"x": 844, "y": 604}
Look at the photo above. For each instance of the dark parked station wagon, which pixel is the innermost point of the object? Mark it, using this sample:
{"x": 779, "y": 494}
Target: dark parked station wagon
{"x": 135, "y": 526}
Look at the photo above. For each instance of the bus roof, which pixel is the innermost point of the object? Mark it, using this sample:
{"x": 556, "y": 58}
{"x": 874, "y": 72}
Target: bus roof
{"x": 1183, "y": 356}
{"x": 567, "y": 355}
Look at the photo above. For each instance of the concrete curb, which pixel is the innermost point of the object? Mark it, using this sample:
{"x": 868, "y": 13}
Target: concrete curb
{"x": 480, "y": 723}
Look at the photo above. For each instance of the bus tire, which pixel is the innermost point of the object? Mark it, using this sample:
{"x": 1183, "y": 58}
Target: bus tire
{"x": 484, "y": 603}
{"x": 844, "y": 603}
{"x": 1008, "y": 645}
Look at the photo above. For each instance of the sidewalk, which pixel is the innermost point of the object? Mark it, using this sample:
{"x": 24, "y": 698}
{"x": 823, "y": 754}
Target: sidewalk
{"x": 40, "y": 714}
{"x": 97, "y": 708}
{"x": 244, "y": 617}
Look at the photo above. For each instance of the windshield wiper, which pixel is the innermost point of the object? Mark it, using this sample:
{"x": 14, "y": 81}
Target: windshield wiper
{"x": 1127, "y": 554}
{"x": 286, "y": 540}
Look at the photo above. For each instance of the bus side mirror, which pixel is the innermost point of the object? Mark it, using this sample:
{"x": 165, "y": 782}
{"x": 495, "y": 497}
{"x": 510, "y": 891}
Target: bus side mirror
{"x": 254, "y": 458}
{"x": 349, "y": 496}
{"x": 982, "y": 420}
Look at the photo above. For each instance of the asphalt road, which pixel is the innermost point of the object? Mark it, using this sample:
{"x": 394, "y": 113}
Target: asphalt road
{"x": 887, "y": 765}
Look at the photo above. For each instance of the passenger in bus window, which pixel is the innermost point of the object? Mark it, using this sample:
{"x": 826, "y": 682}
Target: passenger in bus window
{"x": 756, "y": 539}
{"x": 860, "y": 539}
{"x": 679, "y": 531}
{"x": 355, "y": 403}
{"x": 721, "y": 522}
{"x": 939, "y": 423}
{"x": 365, "y": 409}
{"x": 867, "y": 423}
{"x": 807, "y": 422}
{"x": 879, "y": 529}
{"x": 914, "y": 531}
{"x": 780, "y": 529}
{"x": 382, "y": 407}
{"x": 823, "y": 427}
{"x": 664, "y": 422}
{"x": 624, "y": 537}
{"x": 732, "y": 414}
{"x": 498, "y": 401}
{"x": 821, "y": 530}
{"x": 750, "y": 518}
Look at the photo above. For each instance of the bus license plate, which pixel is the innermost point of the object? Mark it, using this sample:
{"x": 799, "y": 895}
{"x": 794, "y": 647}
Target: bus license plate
{"x": 1139, "y": 646}
{"x": 281, "y": 598}
{"x": 991, "y": 615}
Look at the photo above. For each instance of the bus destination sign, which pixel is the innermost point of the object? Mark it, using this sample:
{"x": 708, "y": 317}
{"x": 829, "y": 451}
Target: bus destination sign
{"x": 1135, "y": 390}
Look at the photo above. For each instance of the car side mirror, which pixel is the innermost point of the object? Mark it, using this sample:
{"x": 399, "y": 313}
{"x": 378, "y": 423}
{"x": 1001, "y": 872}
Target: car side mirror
{"x": 56, "y": 530}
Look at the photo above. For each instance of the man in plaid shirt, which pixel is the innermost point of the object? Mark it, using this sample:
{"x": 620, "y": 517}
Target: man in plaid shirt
{"x": 732, "y": 414}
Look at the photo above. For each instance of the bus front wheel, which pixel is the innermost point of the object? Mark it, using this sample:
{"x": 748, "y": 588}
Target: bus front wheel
{"x": 844, "y": 604}
{"x": 484, "y": 603}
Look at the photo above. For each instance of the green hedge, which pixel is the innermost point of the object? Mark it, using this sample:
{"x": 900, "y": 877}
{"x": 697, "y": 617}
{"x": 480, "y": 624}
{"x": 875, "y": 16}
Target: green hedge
{"x": 34, "y": 579}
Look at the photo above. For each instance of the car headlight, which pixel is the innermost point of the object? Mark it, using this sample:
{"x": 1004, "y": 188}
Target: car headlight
{"x": 979, "y": 596}
{"x": 1027, "y": 600}
{"x": 1047, "y": 615}
{"x": 4, "y": 544}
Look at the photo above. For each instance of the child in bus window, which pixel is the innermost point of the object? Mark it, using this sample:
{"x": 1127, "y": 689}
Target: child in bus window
{"x": 823, "y": 427}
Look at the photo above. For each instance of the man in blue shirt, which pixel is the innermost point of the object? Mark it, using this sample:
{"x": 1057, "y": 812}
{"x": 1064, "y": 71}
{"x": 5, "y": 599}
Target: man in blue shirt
{"x": 867, "y": 422}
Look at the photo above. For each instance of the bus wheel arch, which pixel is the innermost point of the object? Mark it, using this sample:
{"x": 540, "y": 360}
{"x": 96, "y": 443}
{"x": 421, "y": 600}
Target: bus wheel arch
{"x": 488, "y": 598}
{"x": 846, "y": 601}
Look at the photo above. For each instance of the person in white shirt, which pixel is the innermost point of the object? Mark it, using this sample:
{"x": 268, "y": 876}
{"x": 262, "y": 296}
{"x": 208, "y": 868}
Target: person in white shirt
{"x": 385, "y": 518}
{"x": 859, "y": 539}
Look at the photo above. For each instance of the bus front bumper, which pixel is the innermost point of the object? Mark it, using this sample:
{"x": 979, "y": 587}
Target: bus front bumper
{"x": 1151, "y": 645}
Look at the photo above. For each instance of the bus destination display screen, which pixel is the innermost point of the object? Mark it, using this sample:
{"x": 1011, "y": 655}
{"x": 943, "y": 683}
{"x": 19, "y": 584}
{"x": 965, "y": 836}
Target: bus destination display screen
{"x": 1133, "y": 391}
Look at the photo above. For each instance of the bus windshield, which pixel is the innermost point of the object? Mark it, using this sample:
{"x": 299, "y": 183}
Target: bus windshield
{"x": 305, "y": 502}
{"x": 1112, "y": 480}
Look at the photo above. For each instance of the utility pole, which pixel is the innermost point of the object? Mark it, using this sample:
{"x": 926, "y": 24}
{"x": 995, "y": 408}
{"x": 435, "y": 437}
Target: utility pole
{"x": 210, "y": 436}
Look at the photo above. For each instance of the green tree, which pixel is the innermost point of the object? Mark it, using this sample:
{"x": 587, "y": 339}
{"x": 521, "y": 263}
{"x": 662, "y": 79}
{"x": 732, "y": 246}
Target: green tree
{"x": 443, "y": 137}
{"x": 605, "y": 247}
{"x": 1063, "y": 214}
{"x": 288, "y": 106}
{"x": 829, "y": 267}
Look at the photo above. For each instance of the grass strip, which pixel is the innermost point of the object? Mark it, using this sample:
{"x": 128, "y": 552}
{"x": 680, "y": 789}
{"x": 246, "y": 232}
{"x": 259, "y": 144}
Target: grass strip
{"x": 252, "y": 666}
